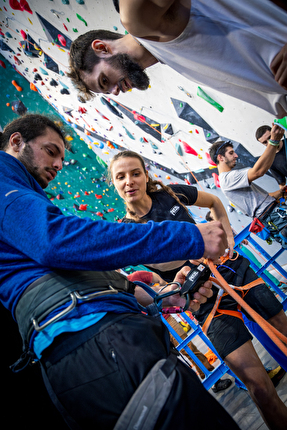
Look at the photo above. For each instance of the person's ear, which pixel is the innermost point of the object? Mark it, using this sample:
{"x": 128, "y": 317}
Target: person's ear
{"x": 101, "y": 48}
{"x": 16, "y": 141}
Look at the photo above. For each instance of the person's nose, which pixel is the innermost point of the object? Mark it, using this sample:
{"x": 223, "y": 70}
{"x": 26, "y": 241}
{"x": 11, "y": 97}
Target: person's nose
{"x": 115, "y": 90}
{"x": 58, "y": 164}
{"x": 129, "y": 180}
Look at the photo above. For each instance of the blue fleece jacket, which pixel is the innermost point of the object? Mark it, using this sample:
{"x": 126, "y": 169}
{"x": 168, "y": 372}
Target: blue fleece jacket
{"x": 36, "y": 238}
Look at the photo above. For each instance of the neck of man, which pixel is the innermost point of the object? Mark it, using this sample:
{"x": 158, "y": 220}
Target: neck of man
{"x": 223, "y": 167}
{"x": 131, "y": 46}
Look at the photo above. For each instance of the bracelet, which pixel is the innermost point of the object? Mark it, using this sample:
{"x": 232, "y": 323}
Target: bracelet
{"x": 274, "y": 142}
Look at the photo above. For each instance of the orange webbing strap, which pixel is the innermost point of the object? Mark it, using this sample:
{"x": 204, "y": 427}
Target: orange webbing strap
{"x": 221, "y": 293}
{"x": 275, "y": 335}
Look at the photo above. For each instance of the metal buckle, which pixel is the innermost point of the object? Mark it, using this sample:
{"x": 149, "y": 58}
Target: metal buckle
{"x": 75, "y": 296}
{"x": 56, "y": 317}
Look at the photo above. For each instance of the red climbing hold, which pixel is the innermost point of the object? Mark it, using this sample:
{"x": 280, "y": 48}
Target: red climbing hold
{"x": 111, "y": 210}
{"x": 86, "y": 193}
{"x": 216, "y": 180}
{"x": 23, "y": 34}
{"x": 14, "y": 4}
{"x": 24, "y": 6}
{"x": 62, "y": 40}
{"x": 187, "y": 148}
{"x": 98, "y": 196}
{"x": 99, "y": 214}
{"x": 82, "y": 109}
{"x": 83, "y": 207}
{"x": 209, "y": 159}
{"x": 138, "y": 117}
{"x": 2, "y": 64}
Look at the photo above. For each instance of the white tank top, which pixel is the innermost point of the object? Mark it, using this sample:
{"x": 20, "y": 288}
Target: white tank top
{"x": 228, "y": 45}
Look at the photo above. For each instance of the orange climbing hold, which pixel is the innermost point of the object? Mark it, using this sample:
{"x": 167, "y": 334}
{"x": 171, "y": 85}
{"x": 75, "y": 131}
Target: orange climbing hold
{"x": 18, "y": 88}
{"x": 33, "y": 87}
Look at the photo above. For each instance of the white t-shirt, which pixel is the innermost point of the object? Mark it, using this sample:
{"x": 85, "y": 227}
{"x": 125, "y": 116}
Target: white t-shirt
{"x": 229, "y": 45}
{"x": 249, "y": 198}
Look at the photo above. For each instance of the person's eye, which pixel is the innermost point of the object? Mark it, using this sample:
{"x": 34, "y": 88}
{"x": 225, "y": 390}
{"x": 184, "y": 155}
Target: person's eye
{"x": 50, "y": 152}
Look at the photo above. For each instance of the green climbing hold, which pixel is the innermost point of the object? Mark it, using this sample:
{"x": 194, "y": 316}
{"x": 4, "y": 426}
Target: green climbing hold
{"x": 208, "y": 99}
{"x": 101, "y": 162}
{"x": 281, "y": 122}
{"x": 65, "y": 2}
{"x": 82, "y": 19}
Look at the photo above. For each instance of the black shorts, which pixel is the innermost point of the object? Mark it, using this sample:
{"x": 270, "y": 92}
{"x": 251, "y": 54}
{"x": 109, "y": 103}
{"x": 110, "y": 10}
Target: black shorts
{"x": 227, "y": 333}
{"x": 95, "y": 378}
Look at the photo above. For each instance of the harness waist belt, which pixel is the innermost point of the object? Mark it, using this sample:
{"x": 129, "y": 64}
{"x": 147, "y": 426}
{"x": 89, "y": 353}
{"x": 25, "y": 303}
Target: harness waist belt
{"x": 267, "y": 210}
{"x": 51, "y": 291}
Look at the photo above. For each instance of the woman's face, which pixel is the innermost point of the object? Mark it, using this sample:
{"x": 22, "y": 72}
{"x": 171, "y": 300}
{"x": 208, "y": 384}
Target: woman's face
{"x": 129, "y": 179}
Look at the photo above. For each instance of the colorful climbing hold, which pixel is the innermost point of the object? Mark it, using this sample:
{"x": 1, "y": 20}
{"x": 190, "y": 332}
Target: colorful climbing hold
{"x": 212, "y": 163}
{"x": 208, "y": 99}
{"x": 83, "y": 207}
{"x": 216, "y": 179}
{"x": 187, "y": 148}
{"x": 18, "y": 88}
{"x": 81, "y": 19}
{"x": 178, "y": 149}
{"x": 62, "y": 40}
{"x": 281, "y": 122}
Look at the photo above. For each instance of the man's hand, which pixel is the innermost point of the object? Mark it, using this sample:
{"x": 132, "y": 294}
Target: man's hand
{"x": 277, "y": 132}
{"x": 214, "y": 238}
{"x": 200, "y": 296}
{"x": 278, "y": 67}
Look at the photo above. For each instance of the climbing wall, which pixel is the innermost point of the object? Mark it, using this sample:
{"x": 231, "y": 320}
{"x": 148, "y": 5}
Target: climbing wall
{"x": 172, "y": 124}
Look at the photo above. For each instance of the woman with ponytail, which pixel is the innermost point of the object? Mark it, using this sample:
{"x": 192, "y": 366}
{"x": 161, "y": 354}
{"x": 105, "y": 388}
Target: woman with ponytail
{"x": 147, "y": 199}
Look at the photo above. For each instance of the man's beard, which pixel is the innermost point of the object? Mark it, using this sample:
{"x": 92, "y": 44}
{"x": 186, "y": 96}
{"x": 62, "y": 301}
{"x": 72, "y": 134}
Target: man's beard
{"x": 27, "y": 158}
{"x": 130, "y": 69}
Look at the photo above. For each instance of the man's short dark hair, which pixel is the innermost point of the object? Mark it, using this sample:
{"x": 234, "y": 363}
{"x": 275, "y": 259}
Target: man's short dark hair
{"x": 219, "y": 148}
{"x": 30, "y": 126}
{"x": 262, "y": 130}
{"x": 83, "y": 58}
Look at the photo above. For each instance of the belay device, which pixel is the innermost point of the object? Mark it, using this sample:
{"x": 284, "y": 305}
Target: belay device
{"x": 197, "y": 276}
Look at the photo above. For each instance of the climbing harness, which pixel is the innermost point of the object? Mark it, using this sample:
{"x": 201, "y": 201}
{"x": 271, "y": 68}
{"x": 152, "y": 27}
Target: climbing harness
{"x": 277, "y": 337}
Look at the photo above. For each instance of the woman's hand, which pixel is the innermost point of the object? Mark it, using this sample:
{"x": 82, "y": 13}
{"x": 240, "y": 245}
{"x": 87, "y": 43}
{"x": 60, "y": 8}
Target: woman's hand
{"x": 200, "y": 296}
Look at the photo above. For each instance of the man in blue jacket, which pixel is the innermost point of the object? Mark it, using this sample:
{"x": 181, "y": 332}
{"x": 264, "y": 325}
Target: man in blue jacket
{"x": 82, "y": 321}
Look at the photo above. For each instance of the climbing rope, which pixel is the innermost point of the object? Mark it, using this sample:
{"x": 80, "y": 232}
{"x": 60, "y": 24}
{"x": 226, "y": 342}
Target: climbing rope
{"x": 277, "y": 337}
